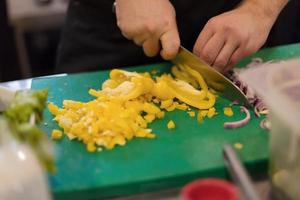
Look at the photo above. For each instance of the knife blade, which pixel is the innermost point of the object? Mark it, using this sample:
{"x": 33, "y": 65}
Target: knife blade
{"x": 239, "y": 173}
{"x": 213, "y": 78}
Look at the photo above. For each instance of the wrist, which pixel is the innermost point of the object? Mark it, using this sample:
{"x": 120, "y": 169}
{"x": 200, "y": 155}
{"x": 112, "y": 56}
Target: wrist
{"x": 267, "y": 10}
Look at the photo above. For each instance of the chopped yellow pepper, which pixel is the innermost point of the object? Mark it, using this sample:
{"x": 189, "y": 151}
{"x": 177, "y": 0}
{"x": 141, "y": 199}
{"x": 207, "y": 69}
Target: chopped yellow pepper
{"x": 166, "y": 103}
{"x": 127, "y": 103}
{"x": 56, "y": 134}
{"x": 91, "y": 147}
{"x": 54, "y": 109}
{"x": 228, "y": 111}
{"x": 171, "y": 124}
{"x": 199, "y": 117}
{"x": 182, "y": 106}
{"x": 203, "y": 113}
{"x": 172, "y": 107}
{"x": 238, "y": 146}
{"x": 191, "y": 113}
{"x": 211, "y": 112}
{"x": 149, "y": 118}
{"x": 160, "y": 115}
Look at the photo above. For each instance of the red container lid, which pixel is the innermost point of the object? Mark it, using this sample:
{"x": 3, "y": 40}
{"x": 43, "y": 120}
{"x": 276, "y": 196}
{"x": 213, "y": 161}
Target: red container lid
{"x": 209, "y": 189}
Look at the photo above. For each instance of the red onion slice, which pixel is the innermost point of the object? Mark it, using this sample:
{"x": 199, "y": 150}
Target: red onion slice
{"x": 265, "y": 124}
{"x": 240, "y": 123}
{"x": 234, "y": 103}
{"x": 254, "y": 100}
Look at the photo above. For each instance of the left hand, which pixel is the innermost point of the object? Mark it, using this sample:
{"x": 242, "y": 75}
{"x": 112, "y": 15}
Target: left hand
{"x": 231, "y": 36}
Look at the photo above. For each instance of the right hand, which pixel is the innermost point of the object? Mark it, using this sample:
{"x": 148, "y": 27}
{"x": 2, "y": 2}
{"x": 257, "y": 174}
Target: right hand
{"x": 150, "y": 24}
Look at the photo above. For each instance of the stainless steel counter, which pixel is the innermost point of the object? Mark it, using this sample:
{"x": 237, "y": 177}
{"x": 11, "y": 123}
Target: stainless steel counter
{"x": 18, "y": 85}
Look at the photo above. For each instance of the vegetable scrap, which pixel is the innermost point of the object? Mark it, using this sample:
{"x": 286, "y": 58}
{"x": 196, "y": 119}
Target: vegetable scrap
{"x": 203, "y": 113}
{"x": 191, "y": 113}
{"x": 171, "y": 124}
{"x": 257, "y": 103}
{"x": 200, "y": 117}
{"x": 23, "y": 116}
{"x": 128, "y": 102}
{"x": 211, "y": 112}
{"x": 56, "y": 134}
{"x": 254, "y": 100}
{"x": 228, "y": 111}
{"x": 238, "y": 146}
{"x": 243, "y": 122}
{"x": 265, "y": 124}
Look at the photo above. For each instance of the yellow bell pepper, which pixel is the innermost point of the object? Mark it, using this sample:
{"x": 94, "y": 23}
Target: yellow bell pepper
{"x": 182, "y": 75}
{"x": 181, "y": 106}
{"x": 191, "y": 113}
{"x": 127, "y": 103}
{"x": 200, "y": 117}
{"x": 194, "y": 98}
{"x": 228, "y": 111}
{"x": 171, "y": 124}
{"x": 56, "y": 134}
{"x": 211, "y": 112}
{"x": 197, "y": 76}
{"x": 166, "y": 103}
{"x": 161, "y": 91}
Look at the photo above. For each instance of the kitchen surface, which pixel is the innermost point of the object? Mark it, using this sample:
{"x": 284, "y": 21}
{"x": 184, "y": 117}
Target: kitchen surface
{"x": 166, "y": 130}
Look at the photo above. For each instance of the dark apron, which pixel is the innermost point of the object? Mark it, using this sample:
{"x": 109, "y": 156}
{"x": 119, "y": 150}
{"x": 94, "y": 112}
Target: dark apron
{"x": 91, "y": 39}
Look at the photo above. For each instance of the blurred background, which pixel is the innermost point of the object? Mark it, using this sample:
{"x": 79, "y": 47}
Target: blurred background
{"x": 30, "y": 32}
{"x": 29, "y": 36}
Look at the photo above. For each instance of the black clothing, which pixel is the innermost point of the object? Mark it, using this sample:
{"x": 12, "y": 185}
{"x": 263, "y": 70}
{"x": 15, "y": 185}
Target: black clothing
{"x": 91, "y": 39}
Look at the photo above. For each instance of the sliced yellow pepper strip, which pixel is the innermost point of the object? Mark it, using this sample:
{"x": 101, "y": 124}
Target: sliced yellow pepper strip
{"x": 161, "y": 91}
{"x": 181, "y": 106}
{"x": 194, "y": 101}
{"x": 181, "y": 75}
{"x": 166, "y": 103}
{"x": 53, "y": 109}
{"x": 183, "y": 91}
{"x": 197, "y": 76}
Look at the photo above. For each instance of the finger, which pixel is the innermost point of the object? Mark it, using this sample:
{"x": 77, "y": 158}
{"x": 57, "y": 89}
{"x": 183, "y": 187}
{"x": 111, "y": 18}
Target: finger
{"x": 139, "y": 40}
{"x": 235, "y": 58}
{"x": 225, "y": 54}
{"x": 170, "y": 43}
{"x": 127, "y": 36}
{"x": 212, "y": 48}
{"x": 151, "y": 47}
{"x": 202, "y": 39}
{"x": 238, "y": 55}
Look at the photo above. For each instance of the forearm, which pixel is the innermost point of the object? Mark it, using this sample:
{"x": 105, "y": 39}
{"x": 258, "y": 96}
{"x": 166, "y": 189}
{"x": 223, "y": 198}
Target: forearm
{"x": 269, "y": 9}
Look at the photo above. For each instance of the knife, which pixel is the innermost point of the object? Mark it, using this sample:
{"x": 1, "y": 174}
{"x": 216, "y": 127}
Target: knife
{"x": 213, "y": 78}
{"x": 239, "y": 173}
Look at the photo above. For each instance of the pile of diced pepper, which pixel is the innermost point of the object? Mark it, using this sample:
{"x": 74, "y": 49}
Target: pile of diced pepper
{"x": 128, "y": 102}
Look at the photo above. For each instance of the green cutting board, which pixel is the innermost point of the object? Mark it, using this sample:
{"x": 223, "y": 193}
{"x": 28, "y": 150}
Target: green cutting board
{"x": 175, "y": 157}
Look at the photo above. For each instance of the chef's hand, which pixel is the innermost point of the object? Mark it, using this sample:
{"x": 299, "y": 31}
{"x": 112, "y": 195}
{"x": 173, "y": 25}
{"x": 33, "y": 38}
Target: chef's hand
{"x": 150, "y": 24}
{"x": 231, "y": 36}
